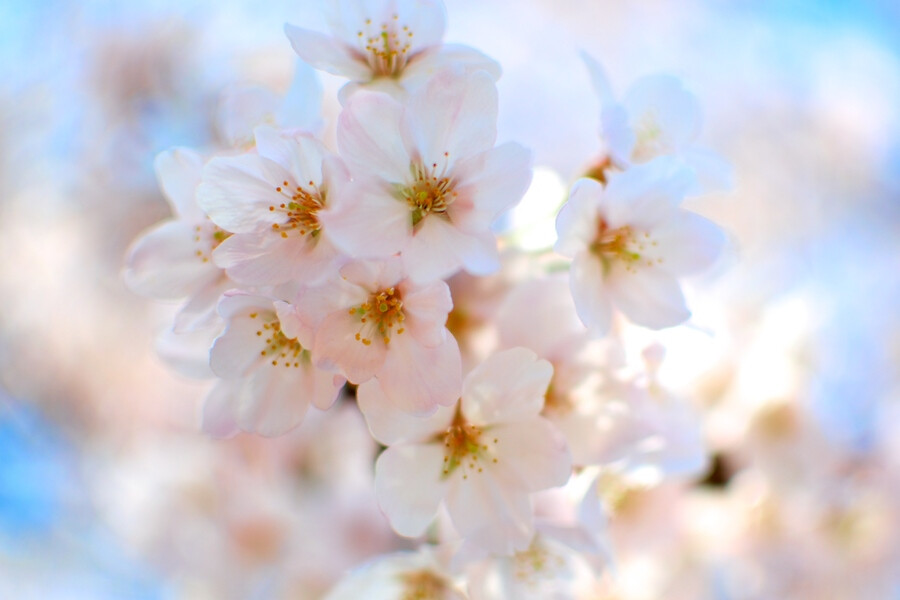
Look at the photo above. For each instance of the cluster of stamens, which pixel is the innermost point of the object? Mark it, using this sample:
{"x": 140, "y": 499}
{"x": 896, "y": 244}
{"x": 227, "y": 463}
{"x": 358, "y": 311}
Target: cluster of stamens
{"x": 279, "y": 348}
{"x": 205, "y": 239}
{"x": 429, "y": 193}
{"x": 387, "y": 48}
{"x": 300, "y": 209}
{"x": 464, "y": 446}
{"x": 621, "y": 244}
{"x": 649, "y": 141}
{"x": 378, "y": 315}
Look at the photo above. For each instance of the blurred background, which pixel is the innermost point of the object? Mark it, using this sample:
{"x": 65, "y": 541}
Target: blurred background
{"x": 109, "y": 490}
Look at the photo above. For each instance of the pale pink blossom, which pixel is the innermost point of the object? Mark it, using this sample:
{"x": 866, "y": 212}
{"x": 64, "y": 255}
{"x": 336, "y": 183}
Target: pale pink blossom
{"x": 374, "y": 321}
{"x": 268, "y": 378}
{"x": 481, "y": 458}
{"x": 630, "y": 242}
{"x": 400, "y": 576}
{"x": 270, "y": 199}
{"x": 387, "y": 45}
{"x": 428, "y": 181}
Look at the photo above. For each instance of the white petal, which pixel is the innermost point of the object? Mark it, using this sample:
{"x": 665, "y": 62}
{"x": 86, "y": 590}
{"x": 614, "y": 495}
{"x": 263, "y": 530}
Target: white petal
{"x": 313, "y": 304}
{"x": 199, "y": 311}
{"x": 163, "y": 263}
{"x": 454, "y": 116}
{"x": 241, "y": 109}
{"x": 548, "y": 296}
{"x": 648, "y": 296}
{"x": 300, "y": 154}
{"x": 426, "y": 309}
{"x": 531, "y": 455}
{"x": 617, "y": 134}
{"x": 368, "y": 221}
{"x": 368, "y": 137}
{"x": 236, "y": 194}
{"x": 592, "y": 299}
{"x": 688, "y": 243}
{"x": 438, "y": 250}
{"x": 409, "y": 486}
{"x": 599, "y": 80}
{"x": 576, "y": 223}
{"x": 674, "y": 110}
{"x": 390, "y": 426}
{"x": 267, "y": 258}
{"x": 274, "y": 399}
{"x": 336, "y": 344}
{"x": 328, "y": 54}
{"x": 507, "y": 387}
{"x": 424, "y": 65}
{"x": 417, "y": 379}
{"x": 489, "y": 184}
{"x": 237, "y": 350}
{"x": 645, "y": 195}
{"x": 178, "y": 172}
{"x": 218, "y": 411}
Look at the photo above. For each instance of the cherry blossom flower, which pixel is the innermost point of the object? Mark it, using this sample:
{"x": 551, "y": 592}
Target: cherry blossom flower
{"x": 270, "y": 200}
{"x": 387, "y": 45}
{"x": 481, "y": 458}
{"x": 630, "y": 242}
{"x": 374, "y": 321}
{"x": 657, "y": 116}
{"x": 173, "y": 259}
{"x": 400, "y": 576}
{"x": 428, "y": 180}
{"x": 269, "y": 378}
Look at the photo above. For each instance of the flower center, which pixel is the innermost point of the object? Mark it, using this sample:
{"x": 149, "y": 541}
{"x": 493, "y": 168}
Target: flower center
{"x": 386, "y": 48}
{"x": 299, "y": 210}
{"x": 463, "y": 447}
{"x": 207, "y": 238}
{"x": 649, "y": 142}
{"x": 621, "y": 245}
{"x": 429, "y": 193}
{"x": 378, "y": 315}
{"x": 280, "y": 348}
{"x": 422, "y": 585}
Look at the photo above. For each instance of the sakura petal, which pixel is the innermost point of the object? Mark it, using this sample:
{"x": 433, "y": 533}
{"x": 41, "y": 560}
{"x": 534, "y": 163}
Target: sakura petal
{"x": 675, "y": 111}
{"x": 452, "y": 117}
{"x": 300, "y": 154}
{"x": 234, "y": 354}
{"x": 423, "y": 66}
{"x": 688, "y": 243}
{"x": 714, "y": 173}
{"x": 490, "y": 183}
{"x": 163, "y": 262}
{"x": 590, "y": 293}
{"x": 218, "y": 411}
{"x": 417, "y": 379}
{"x": 336, "y": 344}
{"x": 235, "y": 194}
{"x": 599, "y": 80}
{"x": 178, "y": 172}
{"x": 327, "y": 54}
{"x": 390, "y": 426}
{"x": 426, "y": 309}
{"x": 507, "y": 387}
{"x": 368, "y": 139}
{"x": 313, "y": 304}
{"x": 648, "y": 296}
{"x": 438, "y": 250}
{"x": 646, "y": 194}
{"x": 269, "y": 259}
{"x": 409, "y": 486}
{"x": 369, "y": 222}
{"x": 532, "y": 455}
{"x": 576, "y": 223}
{"x": 617, "y": 134}
{"x": 242, "y": 109}
{"x": 274, "y": 399}
{"x": 199, "y": 311}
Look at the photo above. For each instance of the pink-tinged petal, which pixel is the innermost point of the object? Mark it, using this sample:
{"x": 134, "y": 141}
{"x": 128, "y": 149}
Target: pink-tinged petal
{"x": 188, "y": 353}
{"x": 648, "y": 296}
{"x": 328, "y": 54}
{"x": 531, "y": 455}
{"x": 200, "y": 310}
{"x": 495, "y": 517}
{"x": 178, "y": 172}
{"x": 645, "y": 195}
{"x": 417, "y": 379}
{"x": 426, "y": 309}
{"x": 237, "y": 350}
{"x": 274, "y": 399}
{"x": 368, "y": 221}
{"x": 368, "y": 137}
{"x": 439, "y": 249}
{"x": 163, "y": 262}
{"x": 241, "y": 109}
{"x": 488, "y": 184}
{"x": 549, "y": 296}
{"x": 426, "y": 20}
{"x": 590, "y": 293}
{"x": 454, "y": 116}
{"x": 313, "y": 304}
{"x": 674, "y": 110}
{"x": 218, "y": 418}
{"x": 291, "y": 324}
{"x": 373, "y": 275}
{"x": 390, "y": 426}
{"x": 236, "y": 195}
{"x": 424, "y": 65}
{"x": 688, "y": 243}
{"x": 409, "y": 486}
{"x": 576, "y": 223}
{"x": 269, "y": 259}
{"x": 336, "y": 345}
{"x": 507, "y": 387}
{"x": 300, "y": 154}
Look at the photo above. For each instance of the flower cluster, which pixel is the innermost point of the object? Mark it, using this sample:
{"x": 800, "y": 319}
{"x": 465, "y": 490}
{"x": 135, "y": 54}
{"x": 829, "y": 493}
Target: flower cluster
{"x": 372, "y": 271}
